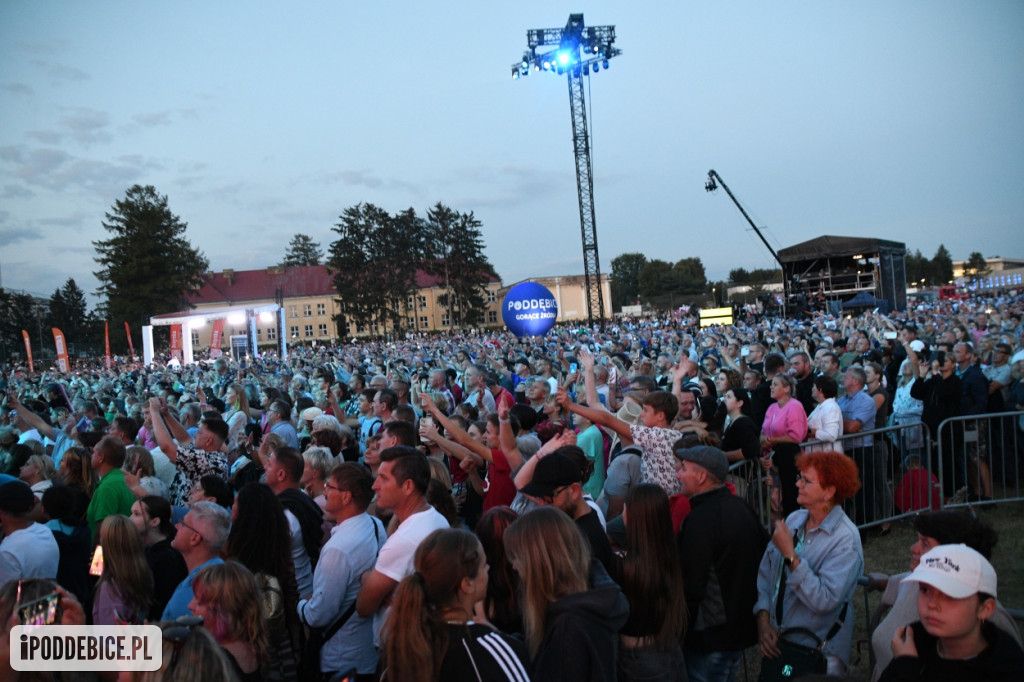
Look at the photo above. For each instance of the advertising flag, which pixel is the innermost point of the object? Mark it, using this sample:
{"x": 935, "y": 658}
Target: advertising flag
{"x": 28, "y": 351}
{"x": 63, "y": 363}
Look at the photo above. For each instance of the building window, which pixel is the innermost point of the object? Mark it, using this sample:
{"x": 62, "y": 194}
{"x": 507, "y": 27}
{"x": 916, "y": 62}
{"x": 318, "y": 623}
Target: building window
{"x": 423, "y": 322}
{"x": 492, "y": 316}
{"x": 259, "y": 332}
{"x": 408, "y": 302}
{"x": 308, "y": 330}
{"x": 321, "y": 309}
{"x": 423, "y": 301}
{"x": 272, "y": 334}
{"x": 491, "y": 297}
{"x": 322, "y": 330}
{"x": 361, "y": 329}
{"x": 294, "y": 331}
{"x": 410, "y": 321}
{"x": 307, "y": 310}
{"x": 195, "y": 338}
{"x": 293, "y": 311}
{"x": 445, "y": 320}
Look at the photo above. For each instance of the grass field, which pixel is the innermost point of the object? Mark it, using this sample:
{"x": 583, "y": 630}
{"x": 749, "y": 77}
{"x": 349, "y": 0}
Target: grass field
{"x": 891, "y": 554}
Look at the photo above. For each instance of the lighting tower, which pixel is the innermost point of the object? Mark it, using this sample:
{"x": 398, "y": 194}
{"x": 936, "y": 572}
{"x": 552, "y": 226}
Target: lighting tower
{"x": 577, "y": 50}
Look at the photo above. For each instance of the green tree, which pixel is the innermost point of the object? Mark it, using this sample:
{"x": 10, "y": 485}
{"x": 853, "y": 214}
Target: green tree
{"x": 625, "y": 278}
{"x": 765, "y": 275}
{"x": 658, "y": 283}
{"x": 976, "y": 265}
{"x": 147, "y": 265}
{"x": 373, "y": 263}
{"x": 690, "y": 276}
{"x": 919, "y": 269}
{"x": 18, "y": 311}
{"x": 739, "y": 276}
{"x": 302, "y": 250}
{"x": 68, "y": 311}
{"x": 942, "y": 264}
{"x": 453, "y": 251}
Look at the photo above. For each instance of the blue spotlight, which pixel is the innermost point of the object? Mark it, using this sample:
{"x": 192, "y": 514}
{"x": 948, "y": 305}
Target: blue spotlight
{"x": 563, "y": 57}
{"x": 597, "y": 67}
{"x": 605, "y": 64}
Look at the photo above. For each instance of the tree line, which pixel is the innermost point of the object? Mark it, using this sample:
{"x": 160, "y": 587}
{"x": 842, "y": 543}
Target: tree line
{"x": 147, "y": 266}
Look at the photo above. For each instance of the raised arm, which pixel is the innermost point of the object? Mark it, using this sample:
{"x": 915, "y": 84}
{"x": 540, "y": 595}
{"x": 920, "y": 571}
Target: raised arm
{"x": 525, "y": 473}
{"x": 589, "y": 382}
{"x": 507, "y": 439}
{"x": 451, "y": 428}
{"x": 163, "y": 436}
{"x": 599, "y": 416}
{"x": 33, "y": 419}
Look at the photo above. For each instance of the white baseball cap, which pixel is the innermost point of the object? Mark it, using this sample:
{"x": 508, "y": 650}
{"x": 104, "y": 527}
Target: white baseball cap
{"x": 956, "y": 570}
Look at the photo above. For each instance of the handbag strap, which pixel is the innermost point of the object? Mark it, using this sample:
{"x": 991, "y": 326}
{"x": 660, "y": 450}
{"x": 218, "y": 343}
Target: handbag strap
{"x": 836, "y": 627}
{"x": 340, "y": 621}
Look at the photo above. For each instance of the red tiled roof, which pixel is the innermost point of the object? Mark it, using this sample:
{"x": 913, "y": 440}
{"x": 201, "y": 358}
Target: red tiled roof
{"x": 260, "y": 285}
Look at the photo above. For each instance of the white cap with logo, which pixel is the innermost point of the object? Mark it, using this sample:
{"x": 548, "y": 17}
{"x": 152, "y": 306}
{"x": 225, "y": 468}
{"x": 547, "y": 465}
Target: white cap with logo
{"x": 956, "y": 570}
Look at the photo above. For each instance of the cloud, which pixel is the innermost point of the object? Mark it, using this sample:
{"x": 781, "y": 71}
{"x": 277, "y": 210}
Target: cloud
{"x": 87, "y": 126}
{"x": 361, "y": 178}
{"x": 61, "y": 72}
{"x": 74, "y": 220}
{"x": 83, "y": 125}
{"x": 17, "y": 192}
{"x": 14, "y": 235}
{"x": 57, "y": 170}
{"x": 19, "y": 89}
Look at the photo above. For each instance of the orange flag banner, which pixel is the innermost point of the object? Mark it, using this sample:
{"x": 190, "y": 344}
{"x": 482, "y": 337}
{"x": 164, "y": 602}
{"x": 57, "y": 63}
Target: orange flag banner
{"x": 128, "y": 331}
{"x": 176, "y": 351}
{"x": 218, "y": 334}
{"x": 28, "y": 351}
{"x": 63, "y": 363}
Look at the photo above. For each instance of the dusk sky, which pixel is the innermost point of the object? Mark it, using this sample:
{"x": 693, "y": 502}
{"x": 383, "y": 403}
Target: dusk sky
{"x": 900, "y": 119}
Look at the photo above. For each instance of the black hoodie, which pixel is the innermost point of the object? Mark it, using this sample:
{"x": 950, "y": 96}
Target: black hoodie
{"x": 581, "y": 633}
{"x": 1001, "y": 660}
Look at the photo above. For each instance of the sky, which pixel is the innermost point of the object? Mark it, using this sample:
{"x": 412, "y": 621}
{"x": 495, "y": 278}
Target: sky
{"x": 893, "y": 119}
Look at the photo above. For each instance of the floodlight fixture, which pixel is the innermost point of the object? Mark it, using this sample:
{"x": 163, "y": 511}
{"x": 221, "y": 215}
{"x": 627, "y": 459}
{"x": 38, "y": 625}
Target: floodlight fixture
{"x": 576, "y": 50}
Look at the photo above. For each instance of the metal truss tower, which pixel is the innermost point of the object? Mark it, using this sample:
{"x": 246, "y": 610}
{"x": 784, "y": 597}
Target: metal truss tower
{"x": 579, "y": 49}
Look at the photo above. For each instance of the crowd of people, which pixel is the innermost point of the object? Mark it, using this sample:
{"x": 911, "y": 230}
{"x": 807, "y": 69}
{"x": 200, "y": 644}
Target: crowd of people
{"x": 479, "y": 506}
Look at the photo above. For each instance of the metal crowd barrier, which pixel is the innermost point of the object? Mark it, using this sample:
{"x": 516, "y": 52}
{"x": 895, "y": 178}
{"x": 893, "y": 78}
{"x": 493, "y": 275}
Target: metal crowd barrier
{"x": 905, "y": 470}
{"x": 980, "y": 458}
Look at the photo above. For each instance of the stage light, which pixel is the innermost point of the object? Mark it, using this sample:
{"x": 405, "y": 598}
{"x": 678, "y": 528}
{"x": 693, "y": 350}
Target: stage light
{"x": 605, "y": 64}
{"x": 526, "y": 64}
{"x": 266, "y": 316}
{"x": 586, "y": 70}
{"x": 597, "y": 67}
{"x": 236, "y": 319}
{"x": 563, "y": 58}
{"x": 536, "y": 67}
{"x": 546, "y": 64}
{"x": 515, "y": 74}
{"x": 196, "y": 323}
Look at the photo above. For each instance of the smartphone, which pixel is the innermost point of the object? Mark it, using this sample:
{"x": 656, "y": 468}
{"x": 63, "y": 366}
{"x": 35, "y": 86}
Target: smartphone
{"x": 890, "y": 335}
{"x": 96, "y": 567}
{"x": 44, "y": 611}
{"x": 426, "y": 421}
{"x": 573, "y": 368}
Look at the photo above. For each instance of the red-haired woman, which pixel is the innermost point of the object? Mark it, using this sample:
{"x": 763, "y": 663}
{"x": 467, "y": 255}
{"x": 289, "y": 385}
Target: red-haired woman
{"x": 810, "y": 569}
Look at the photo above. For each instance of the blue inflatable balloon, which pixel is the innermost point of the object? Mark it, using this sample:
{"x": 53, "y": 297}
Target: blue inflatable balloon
{"x": 529, "y": 309}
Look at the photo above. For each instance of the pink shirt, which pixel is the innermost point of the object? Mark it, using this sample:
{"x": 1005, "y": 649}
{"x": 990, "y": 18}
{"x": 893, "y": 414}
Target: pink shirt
{"x": 790, "y": 420}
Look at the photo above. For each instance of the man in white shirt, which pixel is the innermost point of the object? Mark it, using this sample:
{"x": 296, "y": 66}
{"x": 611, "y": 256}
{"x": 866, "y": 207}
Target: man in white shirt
{"x": 401, "y": 487}
{"x": 29, "y": 549}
